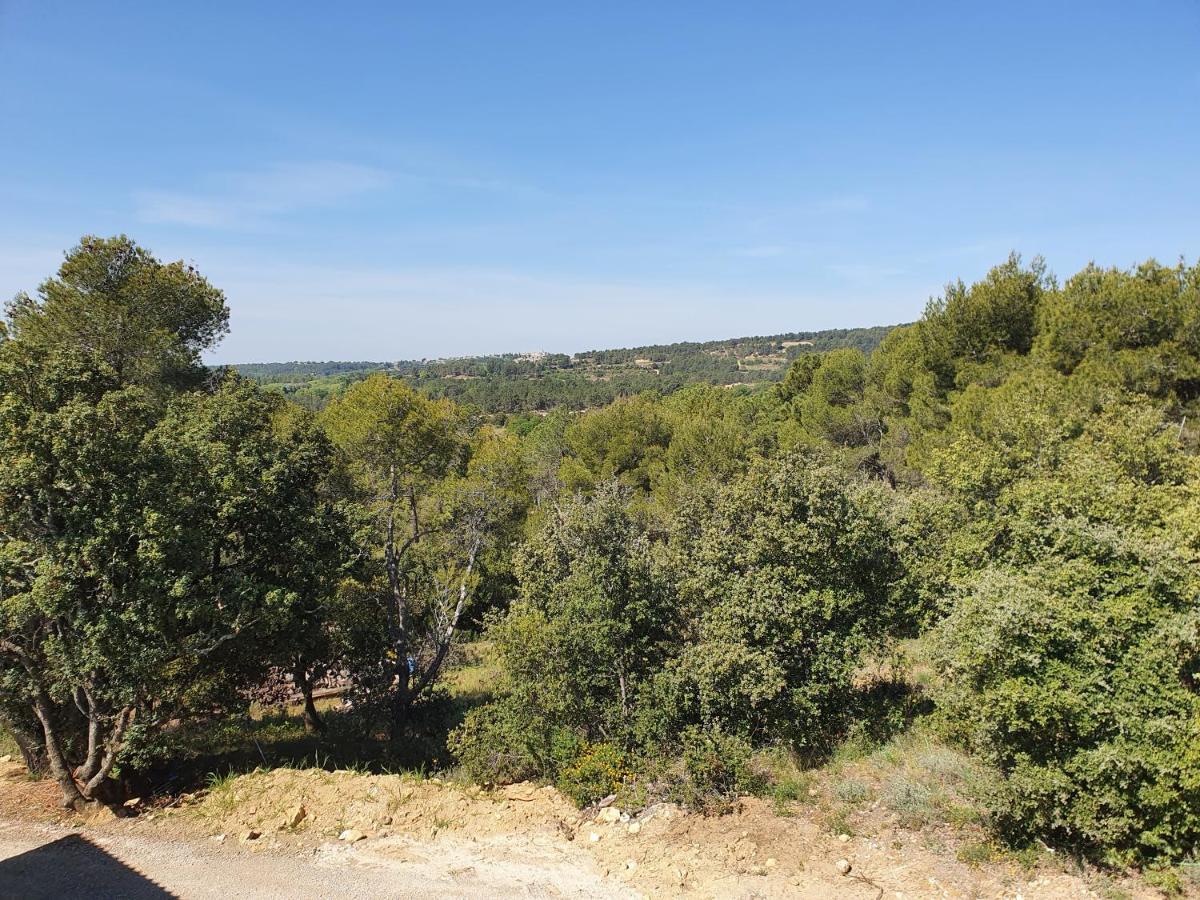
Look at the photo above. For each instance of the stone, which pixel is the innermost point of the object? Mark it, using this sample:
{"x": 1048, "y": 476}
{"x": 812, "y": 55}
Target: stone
{"x": 6, "y": 758}
{"x": 218, "y": 838}
{"x": 251, "y": 834}
{"x": 295, "y": 815}
{"x": 843, "y": 838}
{"x": 593, "y": 837}
{"x": 630, "y": 865}
{"x": 609, "y": 815}
{"x": 771, "y": 862}
{"x": 635, "y": 827}
{"x": 133, "y": 802}
{"x": 843, "y": 866}
{"x": 352, "y": 836}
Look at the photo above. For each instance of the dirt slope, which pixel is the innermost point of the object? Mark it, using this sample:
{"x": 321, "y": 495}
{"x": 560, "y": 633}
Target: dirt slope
{"x": 414, "y": 836}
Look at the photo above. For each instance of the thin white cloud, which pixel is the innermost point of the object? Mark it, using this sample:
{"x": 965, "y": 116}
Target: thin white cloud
{"x": 244, "y": 197}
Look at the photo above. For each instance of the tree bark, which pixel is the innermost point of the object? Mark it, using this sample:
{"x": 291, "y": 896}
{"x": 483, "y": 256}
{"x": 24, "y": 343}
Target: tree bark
{"x": 313, "y": 723}
{"x": 71, "y": 795}
{"x": 32, "y": 751}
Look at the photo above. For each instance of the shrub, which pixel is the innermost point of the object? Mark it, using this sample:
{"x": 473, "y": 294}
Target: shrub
{"x": 597, "y": 772}
{"x": 1079, "y": 684}
{"x": 493, "y": 746}
{"x": 789, "y": 577}
{"x": 716, "y": 769}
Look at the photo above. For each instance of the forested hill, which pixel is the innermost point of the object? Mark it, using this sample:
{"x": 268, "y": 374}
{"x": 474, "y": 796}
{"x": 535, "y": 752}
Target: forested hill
{"x": 513, "y": 382}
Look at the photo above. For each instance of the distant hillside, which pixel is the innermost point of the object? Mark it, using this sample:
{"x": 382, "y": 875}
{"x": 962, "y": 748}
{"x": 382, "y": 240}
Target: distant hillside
{"x": 516, "y": 382}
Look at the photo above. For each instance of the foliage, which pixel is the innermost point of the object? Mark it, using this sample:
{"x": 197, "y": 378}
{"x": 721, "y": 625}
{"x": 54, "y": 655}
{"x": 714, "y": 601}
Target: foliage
{"x": 596, "y": 772}
{"x": 159, "y": 538}
{"x": 788, "y": 578}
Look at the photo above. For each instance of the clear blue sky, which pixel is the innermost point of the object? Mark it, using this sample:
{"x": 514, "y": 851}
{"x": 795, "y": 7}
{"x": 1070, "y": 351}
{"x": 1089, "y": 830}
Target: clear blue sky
{"x": 397, "y": 180}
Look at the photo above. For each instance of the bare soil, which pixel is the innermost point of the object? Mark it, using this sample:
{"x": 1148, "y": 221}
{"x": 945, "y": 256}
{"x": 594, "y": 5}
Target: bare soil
{"x": 282, "y": 832}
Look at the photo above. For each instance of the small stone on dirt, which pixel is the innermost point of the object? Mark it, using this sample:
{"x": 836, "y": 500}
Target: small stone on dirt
{"x": 251, "y": 835}
{"x": 593, "y": 837}
{"x": 843, "y": 838}
{"x": 6, "y": 758}
{"x": 635, "y": 827}
{"x": 295, "y": 816}
{"x": 843, "y": 866}
{"x": 609, "y": 815}
{"x": 351, "y": 836}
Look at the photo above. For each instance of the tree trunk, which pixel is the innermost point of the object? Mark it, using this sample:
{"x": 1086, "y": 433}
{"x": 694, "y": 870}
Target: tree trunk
{"x": 398, "y": 609}
{"x": 313, "y": 723}
{"x": 32, "y": 751}
{"x": 71, "y": 796}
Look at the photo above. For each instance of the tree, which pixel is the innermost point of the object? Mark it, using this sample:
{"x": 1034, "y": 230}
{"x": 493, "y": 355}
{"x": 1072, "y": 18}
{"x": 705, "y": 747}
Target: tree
{"x": 786, "y": 578}
{"x": 594, "y": 619}
{"x": 398, "y": 446}
{"x": 138, "y": 320}
{"x": 153, "y": 537}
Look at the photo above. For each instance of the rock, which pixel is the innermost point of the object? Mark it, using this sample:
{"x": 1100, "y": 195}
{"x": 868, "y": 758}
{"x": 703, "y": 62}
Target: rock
{"x": 523, "y": 792}
{"x": 625, "y": 817}
{"x": 843, "y": 838}
{"x": 607, "y": 801}
{"x": 593, "y": 837}
{"x": 843, "y": 866}
{"x": 635, "y": 827}
{"x": 6, "y": 758}
{"x": 351, "y": 836}
{"x": 133, "y": 802}
{"x": 609, "y": 815}
{"x": 295, "y": 816}
{"x": 251, "y": 834}
{"x": 630, "y": 865}
{"x": 385, "y": 820}
{"x": 771, "y": 862}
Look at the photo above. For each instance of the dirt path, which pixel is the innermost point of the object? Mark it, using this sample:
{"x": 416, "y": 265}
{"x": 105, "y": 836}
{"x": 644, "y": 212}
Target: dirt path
{"x": 48, "y": 861}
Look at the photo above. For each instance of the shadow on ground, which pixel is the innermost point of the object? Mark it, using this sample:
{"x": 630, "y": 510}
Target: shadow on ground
{"x": 73, "y": 866}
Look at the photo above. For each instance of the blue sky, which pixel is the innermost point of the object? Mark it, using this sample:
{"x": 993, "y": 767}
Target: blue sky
{"x": 399, "y": 180}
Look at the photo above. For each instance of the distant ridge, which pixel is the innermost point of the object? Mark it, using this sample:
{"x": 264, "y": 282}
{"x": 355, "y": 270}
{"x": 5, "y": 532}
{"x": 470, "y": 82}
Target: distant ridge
{"x": 532, "y": 381}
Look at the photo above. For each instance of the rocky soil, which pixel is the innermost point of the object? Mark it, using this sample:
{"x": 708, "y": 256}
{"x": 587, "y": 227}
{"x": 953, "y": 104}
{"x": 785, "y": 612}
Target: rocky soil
{"x": 525, "y": 840}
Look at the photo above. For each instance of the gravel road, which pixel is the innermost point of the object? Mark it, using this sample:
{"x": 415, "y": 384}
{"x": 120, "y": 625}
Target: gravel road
{"x": 40, "y": 861}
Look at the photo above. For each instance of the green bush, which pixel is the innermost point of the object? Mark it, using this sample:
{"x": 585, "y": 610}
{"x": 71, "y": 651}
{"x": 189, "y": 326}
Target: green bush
{"x": 493, "y": 746}
{"x": 1080, "y": 687}
{"x": 790, "y": 577}
{"x": 598, "y": 771}
{"x": 716, "y": 768}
